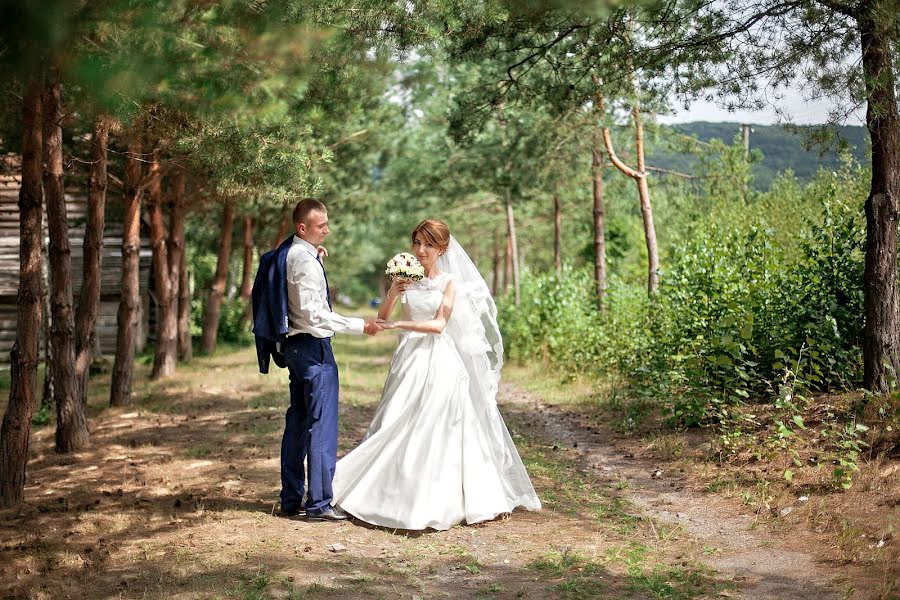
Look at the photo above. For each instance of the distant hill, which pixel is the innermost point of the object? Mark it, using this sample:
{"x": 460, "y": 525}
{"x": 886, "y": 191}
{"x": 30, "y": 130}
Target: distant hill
{"x": 782, "y": 149}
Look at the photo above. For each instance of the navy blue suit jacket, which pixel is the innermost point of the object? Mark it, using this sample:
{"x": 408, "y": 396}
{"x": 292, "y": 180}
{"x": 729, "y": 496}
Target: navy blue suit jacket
{"x": 270, "y": 305}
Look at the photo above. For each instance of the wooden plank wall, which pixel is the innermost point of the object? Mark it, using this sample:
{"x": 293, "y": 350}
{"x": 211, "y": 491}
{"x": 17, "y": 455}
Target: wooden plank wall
{"x": 110, "y": 275}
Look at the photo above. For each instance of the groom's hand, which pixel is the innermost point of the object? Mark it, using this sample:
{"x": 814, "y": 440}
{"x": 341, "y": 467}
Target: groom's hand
{"x": 372, "y": 326}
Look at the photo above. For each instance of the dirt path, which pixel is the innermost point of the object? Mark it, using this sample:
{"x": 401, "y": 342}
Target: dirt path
{"x": 175, "y": 500}
{"x": 761, "y": 567}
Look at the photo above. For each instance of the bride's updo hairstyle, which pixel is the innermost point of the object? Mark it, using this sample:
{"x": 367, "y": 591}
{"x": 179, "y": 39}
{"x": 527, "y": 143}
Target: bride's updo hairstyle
{"x": 434, "y": 232}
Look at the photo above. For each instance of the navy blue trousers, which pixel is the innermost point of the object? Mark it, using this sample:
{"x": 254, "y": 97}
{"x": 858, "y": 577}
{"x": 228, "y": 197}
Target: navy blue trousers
{"x": 311, "y": 424}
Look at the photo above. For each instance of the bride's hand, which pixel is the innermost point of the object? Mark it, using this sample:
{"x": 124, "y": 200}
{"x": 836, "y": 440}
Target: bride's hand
{"x": 389, "y": 325}
{"x": 398, "y": 288}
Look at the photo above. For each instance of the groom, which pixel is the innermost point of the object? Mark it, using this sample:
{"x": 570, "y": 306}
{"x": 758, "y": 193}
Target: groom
{"x": 311, "y": 422}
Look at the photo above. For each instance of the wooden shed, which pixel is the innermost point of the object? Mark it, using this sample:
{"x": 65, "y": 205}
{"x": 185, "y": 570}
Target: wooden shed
{"x": 111, "y": 271}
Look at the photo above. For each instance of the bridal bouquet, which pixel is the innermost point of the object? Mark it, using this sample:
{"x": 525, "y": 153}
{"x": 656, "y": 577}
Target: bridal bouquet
{"x": 405, "y": 266}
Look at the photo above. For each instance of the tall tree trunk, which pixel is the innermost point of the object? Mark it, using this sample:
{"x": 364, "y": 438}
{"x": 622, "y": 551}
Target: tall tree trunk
{"x": 283, "y": 229}
{"x": 507, "y": 262}
{"x": 646, "y": 208}
{"x": 164, "y": 356}
{"x": 881, "y": 348}
{"x": 511, "y": 227}
{"x": 557, "y": 235}
{"x": 176, "y": 256}
{"x": 47, "y": 320}
{"x": 247, "y": 273}
{"x": 495, "y": 282}
{"x": 217, "y": 293}
{"x": 185, "y": 345}
{"x": 15, "y": 432}
{"x": 71, "y": 425}
{"x": 247, "y": 270}
{"x": 130, "y": 304}
{"x": 640, "y": 178}
{"x": 599, "y": 225}
{"x": 89, "y": 300}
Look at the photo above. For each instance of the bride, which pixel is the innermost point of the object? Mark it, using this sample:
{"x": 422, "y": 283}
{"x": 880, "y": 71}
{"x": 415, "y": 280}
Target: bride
{"x": 437, "y": 452}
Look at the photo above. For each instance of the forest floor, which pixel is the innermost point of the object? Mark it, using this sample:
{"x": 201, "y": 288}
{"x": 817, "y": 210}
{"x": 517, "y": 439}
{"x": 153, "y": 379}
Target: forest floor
{"x": 175, "y": 498}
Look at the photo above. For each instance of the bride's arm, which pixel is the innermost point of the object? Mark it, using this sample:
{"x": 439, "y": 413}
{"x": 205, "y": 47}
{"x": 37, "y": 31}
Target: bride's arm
{"x": 390, "y": 298}
{"x": 435, "y": 325}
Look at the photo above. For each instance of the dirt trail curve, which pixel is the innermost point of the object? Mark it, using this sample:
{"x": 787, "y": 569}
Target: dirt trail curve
{"x": 761, "y": 568}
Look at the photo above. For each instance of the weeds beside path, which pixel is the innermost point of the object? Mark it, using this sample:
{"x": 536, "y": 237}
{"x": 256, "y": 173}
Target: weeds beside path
{"x": 771, "y": 540}
{"x": 174, "y": 499}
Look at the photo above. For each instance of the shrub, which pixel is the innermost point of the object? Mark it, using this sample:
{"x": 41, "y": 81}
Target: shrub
{"x": 740, "y": 309}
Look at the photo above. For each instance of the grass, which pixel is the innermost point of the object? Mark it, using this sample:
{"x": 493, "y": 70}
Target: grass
{"x": 580, "y": 577}
{"x": 200, "y": 451}
{"x": 263, "y": 586}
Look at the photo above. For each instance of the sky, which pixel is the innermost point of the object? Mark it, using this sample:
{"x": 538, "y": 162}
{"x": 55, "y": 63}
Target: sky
{"x": 802, "y": 112}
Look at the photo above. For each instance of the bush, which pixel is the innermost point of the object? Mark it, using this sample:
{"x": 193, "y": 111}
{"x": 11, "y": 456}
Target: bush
{"x": 742, "y": 309}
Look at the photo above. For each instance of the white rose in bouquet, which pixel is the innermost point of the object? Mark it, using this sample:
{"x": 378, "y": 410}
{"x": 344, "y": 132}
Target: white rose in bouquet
{"x": 405, "y": 267}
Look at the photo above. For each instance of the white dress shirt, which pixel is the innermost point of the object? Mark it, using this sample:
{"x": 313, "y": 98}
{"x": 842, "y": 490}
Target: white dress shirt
{"x": 308, "y": 310}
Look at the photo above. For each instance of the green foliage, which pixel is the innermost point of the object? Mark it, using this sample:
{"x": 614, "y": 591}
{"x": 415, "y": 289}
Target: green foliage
{"x": 43, "y": 416}
{"x": 234, "y": 324}
{"x": 847, "y": 444}
{"x": 744, "y": 312}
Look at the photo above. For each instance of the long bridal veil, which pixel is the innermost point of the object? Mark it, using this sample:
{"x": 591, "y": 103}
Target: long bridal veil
{"x": 474, "y": 330}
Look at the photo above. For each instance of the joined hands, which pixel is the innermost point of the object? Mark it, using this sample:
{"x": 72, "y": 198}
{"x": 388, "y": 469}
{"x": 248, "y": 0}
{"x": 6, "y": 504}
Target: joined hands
{"x": 374, "y": 326}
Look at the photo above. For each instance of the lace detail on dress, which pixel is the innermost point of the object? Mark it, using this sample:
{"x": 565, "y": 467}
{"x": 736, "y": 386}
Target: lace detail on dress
{"x": 430, "y": 284}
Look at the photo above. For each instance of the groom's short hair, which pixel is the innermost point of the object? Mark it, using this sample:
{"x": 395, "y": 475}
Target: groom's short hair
{"x": 306, "y": 206}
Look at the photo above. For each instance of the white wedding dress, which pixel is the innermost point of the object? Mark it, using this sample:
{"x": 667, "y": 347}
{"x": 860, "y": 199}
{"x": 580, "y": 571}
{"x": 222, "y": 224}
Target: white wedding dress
{"x": 435, "y": 454}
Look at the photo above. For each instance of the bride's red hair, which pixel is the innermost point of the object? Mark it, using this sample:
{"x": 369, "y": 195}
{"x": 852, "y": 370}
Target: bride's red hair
{"x": 434, "y": 232}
